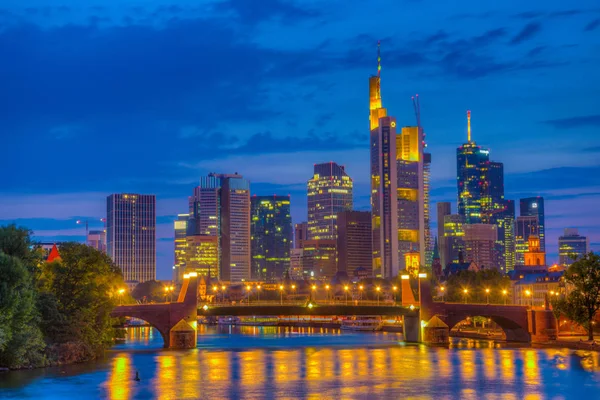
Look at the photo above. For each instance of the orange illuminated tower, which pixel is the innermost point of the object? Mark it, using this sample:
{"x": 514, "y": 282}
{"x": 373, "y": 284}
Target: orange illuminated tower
{"x": 534, "y": 255}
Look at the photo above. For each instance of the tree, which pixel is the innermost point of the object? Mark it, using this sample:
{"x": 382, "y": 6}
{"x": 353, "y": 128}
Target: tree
{"x": 583, "y": 298}
{"x": 149, "y": 291}
{"x": 21, "y": 342}
{"x": 77, "y": 295}
{"x": 476, "y": 283}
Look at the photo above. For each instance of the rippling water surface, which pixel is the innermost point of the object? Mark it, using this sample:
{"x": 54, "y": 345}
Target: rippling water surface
{"x": 286, "y": 363}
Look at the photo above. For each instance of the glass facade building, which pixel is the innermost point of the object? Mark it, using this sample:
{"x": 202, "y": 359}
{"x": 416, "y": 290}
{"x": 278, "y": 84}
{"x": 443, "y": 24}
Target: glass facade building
{"x": 354, "y": 243}
{"x": 329, "y": 193}
{"x": 180, "y": 228}
{"x": 534, "y": 207}
{"x": 571, "y": 245}
{"x": 454, "y": 236}
{"x": 131, "y": 234}
{"x": 443, "y": 209}
{"x": 271, "y": 236}
{"x": 524, "y": 227}
{"x": 202, "y": 255}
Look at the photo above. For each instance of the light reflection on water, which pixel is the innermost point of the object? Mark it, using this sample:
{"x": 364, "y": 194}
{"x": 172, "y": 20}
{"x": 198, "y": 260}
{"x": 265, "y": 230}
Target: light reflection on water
{"x": 313, "y": 363}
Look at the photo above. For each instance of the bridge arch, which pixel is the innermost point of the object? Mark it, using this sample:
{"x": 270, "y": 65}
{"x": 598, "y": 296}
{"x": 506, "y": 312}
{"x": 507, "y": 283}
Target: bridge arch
{"x": 513, "y": 330}
{"x": 158, "y": 320}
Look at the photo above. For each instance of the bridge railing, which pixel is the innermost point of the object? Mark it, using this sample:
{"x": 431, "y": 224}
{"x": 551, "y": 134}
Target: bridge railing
{"x": 277, "y": 303}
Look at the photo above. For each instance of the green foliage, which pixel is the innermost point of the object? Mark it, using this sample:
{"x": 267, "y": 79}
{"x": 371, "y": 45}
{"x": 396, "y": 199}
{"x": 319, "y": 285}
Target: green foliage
{"x": 476, "y": 283}
{"x": 21, "y": 343}
{"x": 76, "y": 298}
{"x": 583, "y": 287}
{"x": 152, "y": 291}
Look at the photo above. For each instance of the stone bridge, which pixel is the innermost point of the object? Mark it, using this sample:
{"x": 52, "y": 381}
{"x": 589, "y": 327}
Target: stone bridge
{"x": 176, "y": 321}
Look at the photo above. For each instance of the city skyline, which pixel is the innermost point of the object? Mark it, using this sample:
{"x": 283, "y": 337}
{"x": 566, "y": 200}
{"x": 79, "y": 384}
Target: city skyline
{"x": 562, "y": 170}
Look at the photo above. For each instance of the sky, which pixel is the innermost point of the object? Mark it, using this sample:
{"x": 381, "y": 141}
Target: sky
{"x": 147, "y": 96}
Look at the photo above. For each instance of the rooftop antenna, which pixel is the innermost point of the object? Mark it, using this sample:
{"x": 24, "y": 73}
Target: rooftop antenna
{"x": 379, "y": 58}
{"x": 469, "y": 126}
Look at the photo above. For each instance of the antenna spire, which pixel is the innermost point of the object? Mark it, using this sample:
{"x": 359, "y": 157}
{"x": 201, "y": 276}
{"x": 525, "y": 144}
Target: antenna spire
{"x": 469, "y": 126}
{"x": 379, "y": 58}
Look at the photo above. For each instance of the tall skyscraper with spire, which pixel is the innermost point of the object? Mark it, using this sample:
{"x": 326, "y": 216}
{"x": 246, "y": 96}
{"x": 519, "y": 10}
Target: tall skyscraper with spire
{"x": 469, "y": 158}
{"x": 397, "y": 187}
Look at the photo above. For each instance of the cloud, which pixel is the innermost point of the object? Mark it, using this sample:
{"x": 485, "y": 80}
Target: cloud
{"x": 592, "y": 25}
{"x": 575, "y": 122}
{"x": 528, "y": 32}
{"x": 252, "y": 13}
{"x": 591, "y": 149}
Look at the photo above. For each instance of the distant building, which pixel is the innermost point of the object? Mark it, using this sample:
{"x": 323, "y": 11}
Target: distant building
{"x": 454, "y": 236}
{"x": 503, "y": 216}
{"x": 202, "y": 255}
{"x": 329, "y": 193}
{"x": 296, "y": 264}
{"x": 443, "y": 209}
{"x": 460, "y": 265}
{"x": 319, "y": 259}
{"x": 571, "y": 245}
{"x": 300, "y": 234}
{"x": 97, "y": 239}
{"x": 354, "y": 244}
{"x": 480, "y": 244}
{"x": 220, "y": 206}
{"x": 524, "y": 227}
{"x": 131, "y": 234}
{"x": 534, "y": 207}
{"x": 271, "y": 236}
{"x": 534, "y": 255}
{"x": 180, "y": 243}
{"x": 427, "y": 209}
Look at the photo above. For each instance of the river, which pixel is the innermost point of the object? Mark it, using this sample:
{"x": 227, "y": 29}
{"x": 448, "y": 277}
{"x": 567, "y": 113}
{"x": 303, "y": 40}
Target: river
{"x": 287, "y": 363}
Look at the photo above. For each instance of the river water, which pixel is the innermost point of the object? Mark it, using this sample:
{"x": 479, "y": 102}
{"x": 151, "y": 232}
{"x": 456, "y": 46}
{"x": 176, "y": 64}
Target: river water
{"x": 288, "y": 363}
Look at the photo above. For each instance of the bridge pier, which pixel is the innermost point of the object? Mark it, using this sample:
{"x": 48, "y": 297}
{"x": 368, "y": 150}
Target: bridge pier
{"x": 543, "y": 326}
{"x": 411, "y": 328}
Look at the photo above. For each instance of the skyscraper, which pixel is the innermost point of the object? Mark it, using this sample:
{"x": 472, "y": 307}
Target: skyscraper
{"x": 180, "y": 226}
{"x": 271, "y": 236}
{"x": 469, "y": 158}
{"x": 524, "y": 227}
{"x": 427, "y": 209}
{"x": 131, "y": 234}
{"x": 300, "y": 234}
{"x": 319, "y": 258}
{"x": 410, "y": 195}
{"x": 480, "y": 244}
{"x": 202, "y": 255}
{"x": 354, "y": 243}
{"x": 503, "y": 216}
{"x": 571, "y": 245}
{"x": 329, "y": 192}
{"x": 443, "y": 209}
{"x": 492, "y": 189}
{"x": 454, "y": 236}
{"x": 534, "y": 207}
{"x": 220, "y": 206}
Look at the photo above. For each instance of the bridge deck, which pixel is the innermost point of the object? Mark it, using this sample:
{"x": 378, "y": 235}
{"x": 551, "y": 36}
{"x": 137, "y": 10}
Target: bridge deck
{"x": 276, "y": 309}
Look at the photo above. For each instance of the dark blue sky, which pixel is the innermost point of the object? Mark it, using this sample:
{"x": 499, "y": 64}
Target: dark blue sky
{"x": 147, "y": 96}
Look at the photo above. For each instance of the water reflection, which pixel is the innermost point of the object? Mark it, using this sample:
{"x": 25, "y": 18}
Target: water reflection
{"x": 270, "y": 362}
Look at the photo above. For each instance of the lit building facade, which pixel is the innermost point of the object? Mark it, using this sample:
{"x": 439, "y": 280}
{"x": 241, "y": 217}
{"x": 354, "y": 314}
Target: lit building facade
{"x": 443, "y": 209}
{"x": 271, "y": 236}
{"x": 131, "y": 234}
{"x": 534, "y": 257}
{"x": 427, "y": 209}
{"x": 534, "y": 207}
{"x": 296, "y": 265}
{"x": 524, "y": 227}
{"x": 469, "y": 158}
{"x": 180, "y": 243}
{"x": 454, "y": 237}
{"x": 503, "y": 216}
{"x": 202, "y": 255}
{"x": 319, "y": 259}
{"x": 480, "y": 244}
{"x": 204, "y": 207}
{"x": 571, "y": 245}
{"x": 354, "y": 243}
{"x": 97, "y": 239}
{"x": 329, "y": 193}
{"x": 300, "y": 234}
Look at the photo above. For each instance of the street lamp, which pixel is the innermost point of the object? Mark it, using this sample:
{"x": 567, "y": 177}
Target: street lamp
{"x": 360, "y": 288}
{"x": 528, "y": 294}
{"x": 466, "y": 293}
{"x": 346, "y": 290}
{"x": 223, "y": 293}
{"x": 280, "y": 294}
{"x": 248, "y": 289}
{"x": 443, "y": 289}
{"x": 395, "y": 289}
{"x": 327, "y": 292}
{"x": 121, "y": 291}
{"x": 294, "y": 292}
{"x": 378, "y": 289}
{"x": 504, "y": 293}
{"x": 487, "y": 296}
{"x": 258, "y": 293}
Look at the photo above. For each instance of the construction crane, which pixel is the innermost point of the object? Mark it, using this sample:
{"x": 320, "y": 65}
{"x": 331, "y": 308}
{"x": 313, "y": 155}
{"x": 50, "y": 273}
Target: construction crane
{"x": 417, "y": 107}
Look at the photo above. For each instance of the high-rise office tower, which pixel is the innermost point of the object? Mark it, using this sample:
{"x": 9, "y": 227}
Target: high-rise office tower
{"x": 97, "y": 239}
{"x": 524, "y": 227}
{"x": 300, "y": 234}
{"x": 180, "y": 226}
{"x": 534, "y": 207}
{"x": 492, "y": 189}
{"x": 329, "y": 192}
{"x": 503, "y": 216}
{"x": 443, "y": 209}
{"x": 354, "y": 242}
{"x": 131, "y": 234}
{"x": 384, "y": 204}
{"x": 202, "y": 255}
{"x": 319, "y": 258}
{"x": 480, "y": 244}
{"x": 454, "y": 236}
{"x": 220, "y": 207}
{"x": 271, "y": 236}
{"x": 571, "y": 245}
{"x": 427, "y": 209}
{"x": 469, "y": 158}
{"x": 410, "y": 195}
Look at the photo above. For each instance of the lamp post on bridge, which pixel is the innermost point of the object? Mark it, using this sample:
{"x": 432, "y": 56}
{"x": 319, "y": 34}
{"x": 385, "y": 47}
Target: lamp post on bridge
{"x": 466, "y": 293}
{"x": 487, "y": 295}
{"x": 281, "y": 294}
{"x": 248, "y": 289}
{"x": 443, "y": 290}
{"x": 327, "y": 293}
{"x": 504, "y": 293}
{"x": 121, "y": 291}
{"x": 395, "y": 289}
{"x": 258, "y": 293}
{"x": 346, "y": 292}
{"x": 378, "y": 289}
